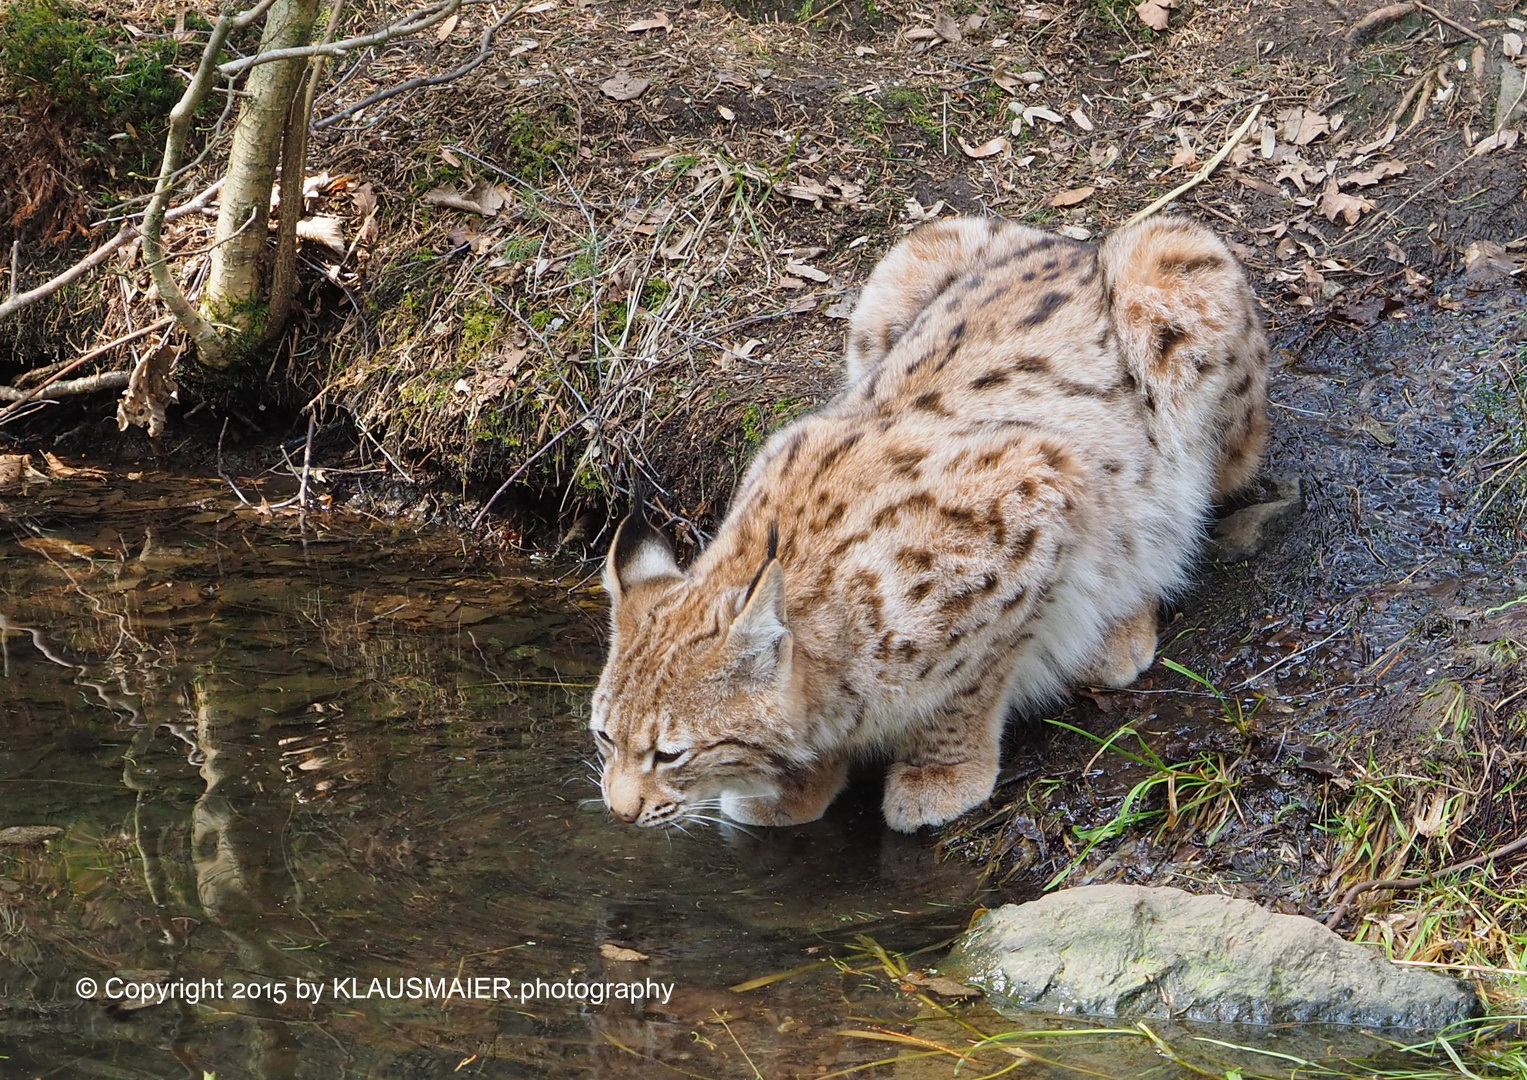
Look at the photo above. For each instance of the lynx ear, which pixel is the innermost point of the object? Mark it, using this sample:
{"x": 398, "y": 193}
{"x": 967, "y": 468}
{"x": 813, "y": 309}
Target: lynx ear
{"x": 760, "y": 633}
{"x": 638, "y": 555}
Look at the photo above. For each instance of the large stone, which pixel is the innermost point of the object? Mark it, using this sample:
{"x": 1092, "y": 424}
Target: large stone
{"x": 1250, "y": 530}
{"x": 1135, "y": 952}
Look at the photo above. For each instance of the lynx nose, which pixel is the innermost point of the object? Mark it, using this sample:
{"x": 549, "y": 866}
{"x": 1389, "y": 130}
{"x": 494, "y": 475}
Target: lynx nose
{"x": 628, "y": 815}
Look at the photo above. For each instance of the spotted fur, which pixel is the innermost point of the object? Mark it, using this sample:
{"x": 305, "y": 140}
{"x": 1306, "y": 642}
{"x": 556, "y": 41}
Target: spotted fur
{"x": 1016, "y": 473}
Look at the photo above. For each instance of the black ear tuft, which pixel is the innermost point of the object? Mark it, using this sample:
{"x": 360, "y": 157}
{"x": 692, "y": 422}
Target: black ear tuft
{"x": 772, "y": 553}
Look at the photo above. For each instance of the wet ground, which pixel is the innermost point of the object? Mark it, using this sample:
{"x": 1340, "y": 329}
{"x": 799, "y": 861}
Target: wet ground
{"x": 294, "y": 773}
{"x": 1362, "y": 641}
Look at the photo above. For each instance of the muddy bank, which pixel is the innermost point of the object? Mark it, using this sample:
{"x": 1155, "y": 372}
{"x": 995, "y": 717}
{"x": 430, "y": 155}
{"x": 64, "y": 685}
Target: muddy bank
{"x": 551, "y": 284}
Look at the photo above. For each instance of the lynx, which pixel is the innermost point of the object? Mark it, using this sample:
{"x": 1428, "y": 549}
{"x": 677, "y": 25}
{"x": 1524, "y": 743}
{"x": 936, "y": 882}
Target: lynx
{"x": 1017, "y": 472}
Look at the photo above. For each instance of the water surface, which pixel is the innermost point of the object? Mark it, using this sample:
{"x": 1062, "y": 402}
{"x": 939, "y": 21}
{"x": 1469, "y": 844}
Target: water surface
{"x": 319, "y": 757}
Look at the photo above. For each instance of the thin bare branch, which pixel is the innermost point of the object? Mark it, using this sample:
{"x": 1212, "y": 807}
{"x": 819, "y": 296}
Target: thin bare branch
{"x": 253, "y": 15}
{"x": 484, "y": 50}
{"x": 409, "y": 24}
{"x": 18, "y": 398}
{"x": 1202, "y": 174}
{"x": 209, "y": 344}
{"x": 90, "y": 384}
{"x": 74, "y": 273}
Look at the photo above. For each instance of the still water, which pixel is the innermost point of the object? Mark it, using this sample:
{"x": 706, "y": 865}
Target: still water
{"x": 341, "y": 761}
{"x": 290, "y": 800}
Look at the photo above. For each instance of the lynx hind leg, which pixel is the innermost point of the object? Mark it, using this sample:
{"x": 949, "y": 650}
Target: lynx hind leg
{"x": 946, "y": 767}
{"x": 1129, "y": 648}
{"x": 802, "y": 798}
{"x": 1188, "y": 325}
{"x": 913, "y": 274}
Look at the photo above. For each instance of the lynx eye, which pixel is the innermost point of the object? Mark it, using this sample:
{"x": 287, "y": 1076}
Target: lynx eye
{"x": 604, "y": 742}
{"x": 668, "y": 757}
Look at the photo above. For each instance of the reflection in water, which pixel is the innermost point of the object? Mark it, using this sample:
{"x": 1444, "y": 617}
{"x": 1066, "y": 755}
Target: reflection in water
{"x": 284, "y": 762}
{"x": 306, "y": 770}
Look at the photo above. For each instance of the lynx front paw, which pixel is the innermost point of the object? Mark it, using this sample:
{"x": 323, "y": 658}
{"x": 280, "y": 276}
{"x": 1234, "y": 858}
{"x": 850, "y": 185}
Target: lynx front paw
{"x": 1129, "y": 648}
{"x": 918, "y": 795}
{"x": 798, "y": 801}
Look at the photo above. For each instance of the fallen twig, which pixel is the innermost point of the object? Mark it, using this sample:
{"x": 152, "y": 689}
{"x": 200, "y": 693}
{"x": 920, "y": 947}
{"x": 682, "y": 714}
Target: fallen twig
{"x": 1462, "y": 29}
{"x": 1202, "y": 174}
{"x": 1403, "y": 884}
{"x": 220, "y": 472}
{"x": 47, "y": 390}
{"x": 307, "y": 464}
{"x": 90, "y": 384}
{"x": 1379, "y": 17}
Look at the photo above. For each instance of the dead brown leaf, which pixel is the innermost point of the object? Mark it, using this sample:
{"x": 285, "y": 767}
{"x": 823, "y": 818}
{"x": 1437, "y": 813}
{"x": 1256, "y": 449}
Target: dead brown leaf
{"x": 646, "y": 221}
{"x": 1155, "y": 13}
{"x": 947, "y": 29}
{"x": 56, "y": 547}
{"x": 363, "y": 198}
{"x": 1301, "y": 173}
{"x": 1072, "y": 197}
{"x": 989, "y": 148}
{"x": 1379, "y": 433}
{"x": 1303, "y": 126}
{"x": 807, "y": 271}
{"x": 16, "y": 469}
{"x": 1379, "y": 171}
{"x": 325, "y": 229}
{"x": 837, "y": 191}
{"x": 1486, "y": 263}
{"x": 942, "y": 985}
{"x": 611, "y": 951}
{"x": 150, "y": 389}
{"x": 1334, "y": 203}
{"x": 58, "y": 468}
{"x": 657, "y": 21}
{"x": 623, "y": 86}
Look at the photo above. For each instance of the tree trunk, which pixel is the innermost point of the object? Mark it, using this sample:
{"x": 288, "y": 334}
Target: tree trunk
{"x": 233, "y": 285}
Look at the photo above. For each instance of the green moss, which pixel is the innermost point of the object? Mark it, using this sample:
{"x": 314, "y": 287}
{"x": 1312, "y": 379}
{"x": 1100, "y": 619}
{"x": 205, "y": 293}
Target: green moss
{"x": 532, "y": 143}
{"x": 751, "y": 424}
{"x": 57, "y": 52}
{"x": 479, "y": 322}
{"x": 516, "y": 248}
{"x": 541, "y": 318}
{"x": 915, "y": 106}
{"x": 655, "y": 292}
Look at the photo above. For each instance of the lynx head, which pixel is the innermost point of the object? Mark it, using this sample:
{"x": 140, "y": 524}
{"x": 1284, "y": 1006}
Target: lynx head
{"x": 693, "y": 713}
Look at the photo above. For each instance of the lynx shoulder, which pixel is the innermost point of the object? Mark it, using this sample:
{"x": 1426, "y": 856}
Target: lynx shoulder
{"x": 1014, "y": 476}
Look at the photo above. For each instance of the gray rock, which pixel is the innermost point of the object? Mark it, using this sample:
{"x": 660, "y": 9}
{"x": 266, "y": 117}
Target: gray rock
{"x": 1247, "y": 532}
{"x": 1131, "y": 951}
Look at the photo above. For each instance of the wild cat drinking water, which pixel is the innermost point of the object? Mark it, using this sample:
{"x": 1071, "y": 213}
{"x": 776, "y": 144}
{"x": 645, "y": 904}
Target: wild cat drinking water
{"x": 1016, "y": 474}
